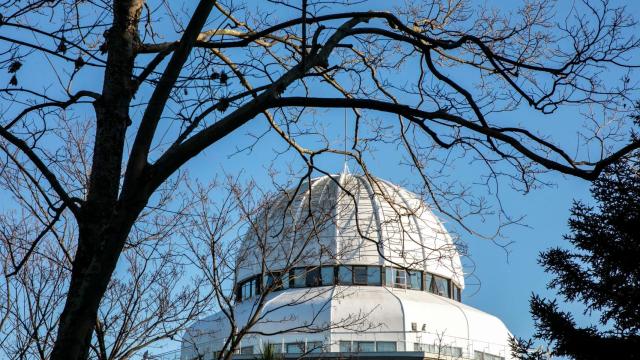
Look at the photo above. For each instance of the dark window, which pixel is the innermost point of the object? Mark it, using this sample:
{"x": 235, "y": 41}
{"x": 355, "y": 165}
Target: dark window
{"x": 360, "y": 275}
{"x": 313, "y": 277}
{"x": 277, "y": 348}
{"x": 429, "y": 285}
{"x": 246, "y": 350}
{"x": 400, "y": 278}
{"x": 365, "y": 346}
{"x": 415, "y": 280}
{"x": 328, "y": 275}
{"x": 273, "y": 279}
{"x": 386, "y": 346}
{"x": 442, "y": 286}
{"x": 314, "y": 346}
{"x": 248, "y": 289}
{"x": 373, "y": 275}
{"x": 457, "y": 293}
{"x": 345, "y": 346}
{"x": 388, "y": 276}
{"x": 268, "y": 280}
{"x": 345, "y": 276}
{"x": 450, "y": 351}
{"x": 299, "y": 277}
{"x": 295, "y": 348}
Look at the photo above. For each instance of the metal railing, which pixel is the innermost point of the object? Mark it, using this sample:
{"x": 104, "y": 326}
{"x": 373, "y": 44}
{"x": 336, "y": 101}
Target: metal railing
{"x": 430, "y": 345}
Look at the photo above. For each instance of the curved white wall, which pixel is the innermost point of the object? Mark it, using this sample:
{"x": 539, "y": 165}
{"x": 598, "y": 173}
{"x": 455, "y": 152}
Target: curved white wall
{"x": 372, "y": 313}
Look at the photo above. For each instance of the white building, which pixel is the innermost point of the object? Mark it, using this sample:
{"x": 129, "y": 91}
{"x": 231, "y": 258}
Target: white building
{"x": 371, "y": 274}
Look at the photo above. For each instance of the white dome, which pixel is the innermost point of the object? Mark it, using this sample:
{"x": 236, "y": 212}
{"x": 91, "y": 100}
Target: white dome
{"x": 354, "y": 221}
{"x": 350, "y": 222}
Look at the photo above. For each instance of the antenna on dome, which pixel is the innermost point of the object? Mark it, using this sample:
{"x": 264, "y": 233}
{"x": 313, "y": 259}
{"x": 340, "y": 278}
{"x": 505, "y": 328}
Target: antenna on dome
{"x": 345, "y": 169}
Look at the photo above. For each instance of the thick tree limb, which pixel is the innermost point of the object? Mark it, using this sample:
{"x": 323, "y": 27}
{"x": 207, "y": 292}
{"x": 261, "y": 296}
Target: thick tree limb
{"x": 155, "y": 107}
{"x": 492, "y": 132}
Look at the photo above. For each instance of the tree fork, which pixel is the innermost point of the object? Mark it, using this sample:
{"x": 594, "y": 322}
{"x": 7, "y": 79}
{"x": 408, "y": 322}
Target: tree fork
{"x": 102, "y": 231}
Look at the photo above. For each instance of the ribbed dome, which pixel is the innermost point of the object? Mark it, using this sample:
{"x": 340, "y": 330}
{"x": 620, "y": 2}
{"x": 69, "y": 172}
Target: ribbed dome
{"x": 349, "y": 219}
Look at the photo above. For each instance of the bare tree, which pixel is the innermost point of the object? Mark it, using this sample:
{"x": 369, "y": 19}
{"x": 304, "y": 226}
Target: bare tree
{"x": 273, "y": 244}
{"x": 146, "y": 301}
{"x": 176, "y": 79}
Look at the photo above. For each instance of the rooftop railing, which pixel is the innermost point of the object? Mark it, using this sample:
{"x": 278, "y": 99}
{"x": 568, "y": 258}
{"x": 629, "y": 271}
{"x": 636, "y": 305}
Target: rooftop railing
{"x": 414, "y": 345}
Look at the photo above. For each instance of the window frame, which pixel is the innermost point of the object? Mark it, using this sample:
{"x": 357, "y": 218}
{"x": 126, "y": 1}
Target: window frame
{"x": 332, "y": 274}
{"x": 313, "y": 347}
{"x": 301, "y": 278}
{"x": 376, "y": 275}
{"x": 396, "y": 273}
{"x": 456, "y": 292}
{"x": 359, "y": 343}
{"x": 276, "y": 280}
{"x": 395, "y": 346}
{"x": 379, "y": 281}
{"x": 309, "y": 276}
{"x": 364, "y": 271}
{"x": 297, "y": 344}
{"x": 418, "y": 274}
{"x": 345, "y": 343}
{"x": 447, "y": 290}
{"x": 340, "y": 279}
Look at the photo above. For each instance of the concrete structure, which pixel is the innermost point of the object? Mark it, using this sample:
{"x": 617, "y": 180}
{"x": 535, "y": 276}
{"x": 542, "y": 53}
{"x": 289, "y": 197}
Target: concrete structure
{"x": 351, "y": 267}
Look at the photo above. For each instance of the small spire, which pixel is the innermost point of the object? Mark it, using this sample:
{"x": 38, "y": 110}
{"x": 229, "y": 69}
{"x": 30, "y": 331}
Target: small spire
{"x": 345, "y": 169}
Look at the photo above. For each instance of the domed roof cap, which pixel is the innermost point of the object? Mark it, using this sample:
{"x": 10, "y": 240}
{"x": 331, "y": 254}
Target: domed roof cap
{"x": 348, "y": 219}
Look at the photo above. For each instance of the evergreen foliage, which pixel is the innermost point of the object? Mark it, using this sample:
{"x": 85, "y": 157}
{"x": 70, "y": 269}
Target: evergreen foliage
{"x": 601, "y": 271}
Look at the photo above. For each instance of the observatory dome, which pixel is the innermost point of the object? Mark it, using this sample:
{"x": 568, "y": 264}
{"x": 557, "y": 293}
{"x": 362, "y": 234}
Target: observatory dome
{"x": 350, "y": 219}
{"x": 349, "y": 266}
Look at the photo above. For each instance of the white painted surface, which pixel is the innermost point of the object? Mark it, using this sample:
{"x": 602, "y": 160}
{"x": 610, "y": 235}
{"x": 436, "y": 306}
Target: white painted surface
{"x": 408, "y": 232}
{"x": 389, "y": 315}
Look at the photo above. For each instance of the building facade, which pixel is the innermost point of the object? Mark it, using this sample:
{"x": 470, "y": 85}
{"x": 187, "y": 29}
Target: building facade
{"x": 344, "y": 267}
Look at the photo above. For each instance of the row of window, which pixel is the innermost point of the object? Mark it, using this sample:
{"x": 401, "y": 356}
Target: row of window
{"x": 290, "y": 348}
{"x": 317, "y": 346}
{"x": 444, "y": 350}
{"x": 350, "y": 275}
{"x": 369, "y": 346}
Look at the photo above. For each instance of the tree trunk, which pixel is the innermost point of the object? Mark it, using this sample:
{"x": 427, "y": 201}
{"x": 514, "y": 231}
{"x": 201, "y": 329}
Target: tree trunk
{"x": 92, "y": 269}
{"x": 104, "y": 223}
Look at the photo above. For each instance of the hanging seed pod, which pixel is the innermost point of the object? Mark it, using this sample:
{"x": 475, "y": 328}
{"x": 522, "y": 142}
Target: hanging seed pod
{"x": 62, "y": 47}
{"x": 79, "y": 63}
{"x": 14, "y": 67}
{"x": 223, "y": 104}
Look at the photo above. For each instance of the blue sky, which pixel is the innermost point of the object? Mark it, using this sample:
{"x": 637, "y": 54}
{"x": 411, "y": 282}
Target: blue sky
{"x": 507, "y": 280}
